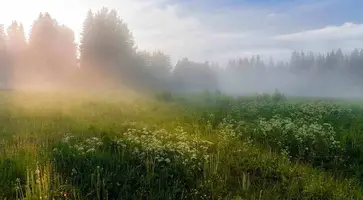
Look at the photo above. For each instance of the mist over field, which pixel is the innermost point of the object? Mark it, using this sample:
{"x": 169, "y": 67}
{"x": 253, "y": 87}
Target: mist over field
{"x": 310, "y": 81}
{"x": 106, "y": 56}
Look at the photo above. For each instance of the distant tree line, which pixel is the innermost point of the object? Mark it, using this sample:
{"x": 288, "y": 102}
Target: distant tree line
{"x": 305, "y": 74}
{"x": 107, "y": 57}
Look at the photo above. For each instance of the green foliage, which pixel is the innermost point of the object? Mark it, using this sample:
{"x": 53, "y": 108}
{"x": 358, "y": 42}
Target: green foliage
{"x": 208, "y": 146}
{"x": 278, "y": 96}
{"x": 169, "y": 165}
{"x": 155, "y": 164}
{"x": 309, "y": 142}
{"x": 10, "y": 174}
{"x": 321, "y": 133}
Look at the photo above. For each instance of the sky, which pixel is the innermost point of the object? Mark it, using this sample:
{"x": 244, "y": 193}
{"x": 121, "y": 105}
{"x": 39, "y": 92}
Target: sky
{"x": 215, "y": 30}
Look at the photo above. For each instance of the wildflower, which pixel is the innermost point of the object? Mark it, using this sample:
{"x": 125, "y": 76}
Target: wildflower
{"x": 74, "y": 172}
{"x": 80, "y": 148}
{"x": 90, "y": 150}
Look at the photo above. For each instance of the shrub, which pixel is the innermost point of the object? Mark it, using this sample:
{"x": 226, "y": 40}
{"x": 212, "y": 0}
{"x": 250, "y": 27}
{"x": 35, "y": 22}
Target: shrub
{"x": 277, "y": 96}
{"x": 165, "y": 96}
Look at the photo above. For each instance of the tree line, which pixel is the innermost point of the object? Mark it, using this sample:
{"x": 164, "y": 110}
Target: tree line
{"x": 107, "y": 57}
{"x": 333, "y": 74}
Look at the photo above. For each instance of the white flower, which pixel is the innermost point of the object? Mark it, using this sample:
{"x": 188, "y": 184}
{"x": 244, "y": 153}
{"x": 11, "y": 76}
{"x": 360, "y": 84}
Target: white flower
{"x": 74, "y": 172}
{"x": 91, "y": 150}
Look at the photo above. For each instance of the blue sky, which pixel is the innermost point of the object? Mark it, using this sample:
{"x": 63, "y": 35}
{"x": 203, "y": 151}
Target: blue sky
{"x": 274, "y": 27}
{"x": 216, "y": 30}
{"x": 309, "y": 13}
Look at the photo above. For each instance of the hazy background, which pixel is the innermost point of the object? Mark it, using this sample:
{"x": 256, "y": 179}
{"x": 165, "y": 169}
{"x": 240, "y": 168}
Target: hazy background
{"x": 301, "y": 47}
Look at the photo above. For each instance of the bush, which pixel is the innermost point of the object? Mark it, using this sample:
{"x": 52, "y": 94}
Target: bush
{"x": 165, "y": 96}
{"x": 277, "y": 96}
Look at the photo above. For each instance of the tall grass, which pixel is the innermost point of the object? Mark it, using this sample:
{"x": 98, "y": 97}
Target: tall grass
{"x": 81, "y": 146}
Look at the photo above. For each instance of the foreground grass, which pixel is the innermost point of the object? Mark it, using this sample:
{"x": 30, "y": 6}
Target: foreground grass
{"x": 92, "y": 146}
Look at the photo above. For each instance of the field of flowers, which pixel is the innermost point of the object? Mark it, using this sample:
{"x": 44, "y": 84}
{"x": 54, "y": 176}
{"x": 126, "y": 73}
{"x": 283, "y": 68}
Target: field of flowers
{"x": 206, "y": 146}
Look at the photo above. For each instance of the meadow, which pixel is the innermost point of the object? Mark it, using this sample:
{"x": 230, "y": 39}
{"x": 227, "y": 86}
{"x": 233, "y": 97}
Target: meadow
{"x": 118, "y": 145}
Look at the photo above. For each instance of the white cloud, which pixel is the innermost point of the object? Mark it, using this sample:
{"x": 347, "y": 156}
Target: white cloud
{"x": 271, "y": 15}
{"x": 347, "y": 37}
{"x": 220, "y": 34}
{"x": 198, "y": 35}
{"x": 204, "y": 34}
{"x": 346, "y": 31}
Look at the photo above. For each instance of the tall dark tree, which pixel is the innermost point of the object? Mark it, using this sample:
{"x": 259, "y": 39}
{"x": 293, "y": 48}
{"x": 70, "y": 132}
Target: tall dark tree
{"x": 87, "y": 42}
{"x": 160, "y": 64}
{"x": 42, "y": 49}
{"x": 52, "y": 51}
{"x": 107, "y": 47}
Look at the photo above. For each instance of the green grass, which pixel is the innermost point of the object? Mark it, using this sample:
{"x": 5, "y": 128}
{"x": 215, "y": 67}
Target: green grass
{"x": 119, "y": 145}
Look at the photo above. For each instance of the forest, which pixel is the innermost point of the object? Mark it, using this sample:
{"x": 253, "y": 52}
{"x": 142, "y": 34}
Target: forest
{"x": 107, "y": 57}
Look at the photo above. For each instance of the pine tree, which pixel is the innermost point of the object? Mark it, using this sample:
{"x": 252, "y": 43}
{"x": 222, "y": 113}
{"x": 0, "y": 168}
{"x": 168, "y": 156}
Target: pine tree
{"x": 87, "y": 41}
{"x": 107, "y": 47}
{"x": 43, "y": 48}
{"x": 16, "y": 40}
{"x": 16, "y": 47}
{"x": 5, "y": 73}
{"x": 160, "y": 64}
{"x": 65, "y": 46}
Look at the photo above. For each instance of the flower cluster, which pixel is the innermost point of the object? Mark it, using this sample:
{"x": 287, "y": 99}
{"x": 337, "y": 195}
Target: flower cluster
{"x": 166, "y": 146}
{"x": 163, "y": 146}
{"x": 297, "y": 139}
{"x": 87, "y": 146}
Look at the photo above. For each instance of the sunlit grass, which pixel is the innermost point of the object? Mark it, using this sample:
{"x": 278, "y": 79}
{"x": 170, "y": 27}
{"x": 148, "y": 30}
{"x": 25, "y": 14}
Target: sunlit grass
{"x": 117, "y": 146}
